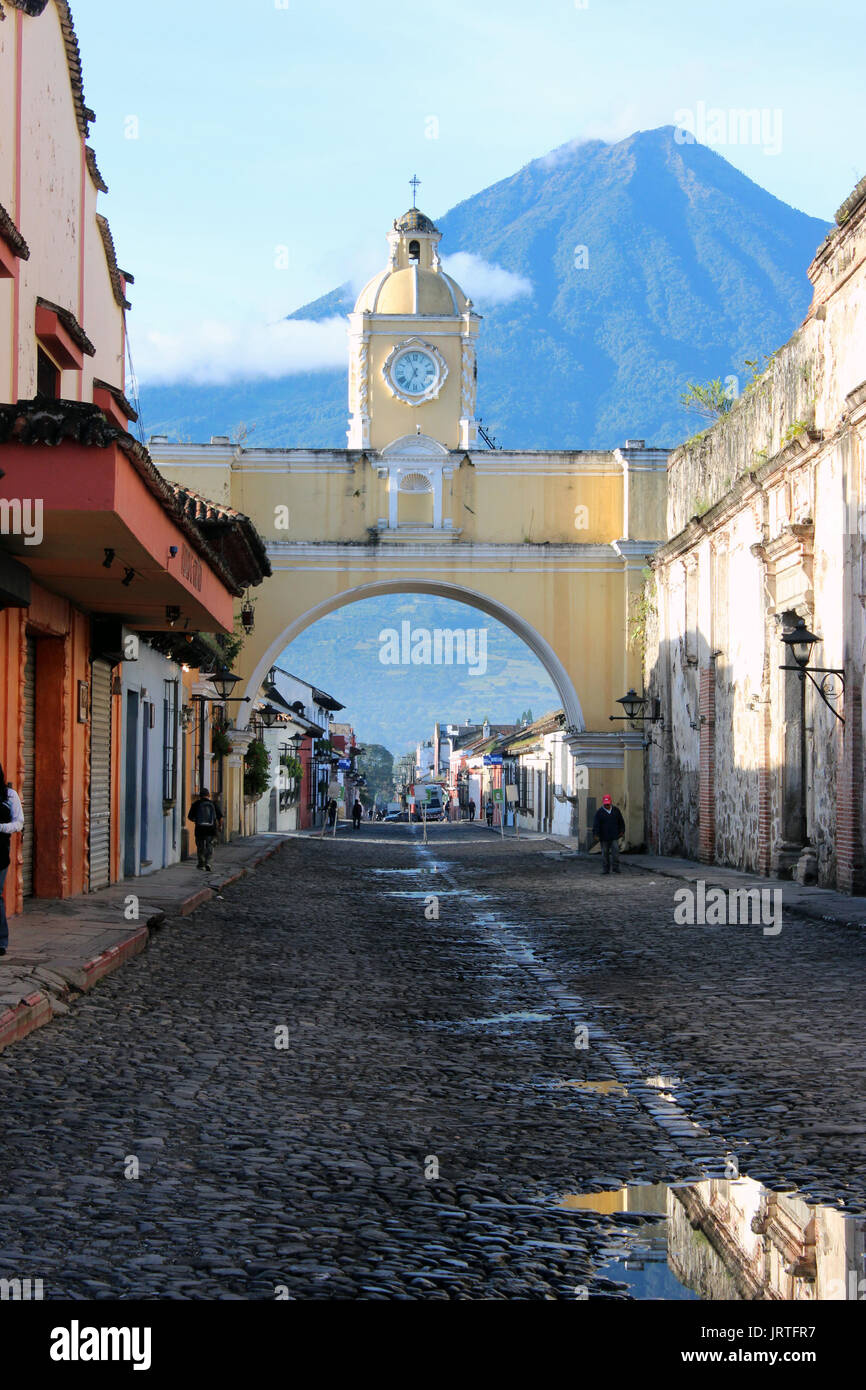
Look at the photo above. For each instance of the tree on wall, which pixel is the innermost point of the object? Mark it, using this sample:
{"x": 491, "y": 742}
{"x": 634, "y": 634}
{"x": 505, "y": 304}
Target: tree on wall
{"x": 377, "y": 765}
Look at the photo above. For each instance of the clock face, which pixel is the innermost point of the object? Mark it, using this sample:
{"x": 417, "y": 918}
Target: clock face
{"x": 414, "y": 372}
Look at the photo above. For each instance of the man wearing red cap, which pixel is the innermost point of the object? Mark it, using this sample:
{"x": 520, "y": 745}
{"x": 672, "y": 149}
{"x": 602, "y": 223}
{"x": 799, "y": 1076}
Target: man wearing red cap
{"x": 607, "y": 827}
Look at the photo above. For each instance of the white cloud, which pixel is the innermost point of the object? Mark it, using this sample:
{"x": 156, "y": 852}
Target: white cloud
{"x": 610, "y": 129}
{"x": 211, "y": 352}
{"x": 484, "y": 282}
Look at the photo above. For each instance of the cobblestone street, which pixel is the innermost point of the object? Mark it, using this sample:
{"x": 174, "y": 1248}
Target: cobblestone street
{"x": 431, "y": 1112}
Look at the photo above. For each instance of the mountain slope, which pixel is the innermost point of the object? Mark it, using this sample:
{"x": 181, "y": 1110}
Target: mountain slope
{"x": 689, "y": 267}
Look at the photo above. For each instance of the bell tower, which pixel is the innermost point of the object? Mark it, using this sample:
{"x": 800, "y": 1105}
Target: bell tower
{"x": 412, "y": 348}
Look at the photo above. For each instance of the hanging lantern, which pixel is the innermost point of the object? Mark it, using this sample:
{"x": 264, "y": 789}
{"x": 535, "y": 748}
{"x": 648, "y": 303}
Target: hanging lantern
{"x": 248, "y": 617}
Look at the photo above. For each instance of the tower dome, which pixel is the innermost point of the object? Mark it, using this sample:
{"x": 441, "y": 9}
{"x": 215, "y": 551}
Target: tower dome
{"x": 415, "y": 221}
{"x": 413, "y": 282}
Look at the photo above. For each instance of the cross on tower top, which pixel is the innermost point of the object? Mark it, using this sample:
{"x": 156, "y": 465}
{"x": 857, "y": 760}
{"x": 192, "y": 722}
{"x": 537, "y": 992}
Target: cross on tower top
{"x": 414, "y": 184}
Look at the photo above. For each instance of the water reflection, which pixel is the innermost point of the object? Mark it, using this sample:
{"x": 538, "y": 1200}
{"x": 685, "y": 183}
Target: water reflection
{"x": 731, "y": 1239}
{"x": 601, "y": 1088}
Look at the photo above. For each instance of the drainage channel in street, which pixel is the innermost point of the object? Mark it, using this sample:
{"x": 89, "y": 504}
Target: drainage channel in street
{"x": 721, "y": 1236}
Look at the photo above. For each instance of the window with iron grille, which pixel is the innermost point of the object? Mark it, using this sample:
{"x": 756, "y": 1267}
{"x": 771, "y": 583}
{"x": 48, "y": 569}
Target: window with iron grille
{"x": 169, "y": 740}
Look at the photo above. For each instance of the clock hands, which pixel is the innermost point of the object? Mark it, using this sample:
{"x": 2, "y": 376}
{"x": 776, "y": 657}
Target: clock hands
{"x": 414, "y": 373}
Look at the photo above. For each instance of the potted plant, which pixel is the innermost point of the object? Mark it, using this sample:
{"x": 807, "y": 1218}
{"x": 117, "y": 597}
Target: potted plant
{"x": 257, "y": 761}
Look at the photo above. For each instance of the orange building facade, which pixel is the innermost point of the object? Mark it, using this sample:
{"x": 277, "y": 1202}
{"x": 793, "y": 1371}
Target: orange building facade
{"x": 97, "y": 551}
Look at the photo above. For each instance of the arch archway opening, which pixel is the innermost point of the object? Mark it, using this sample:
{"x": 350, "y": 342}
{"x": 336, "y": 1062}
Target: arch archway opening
{"x": 471, "y": 599}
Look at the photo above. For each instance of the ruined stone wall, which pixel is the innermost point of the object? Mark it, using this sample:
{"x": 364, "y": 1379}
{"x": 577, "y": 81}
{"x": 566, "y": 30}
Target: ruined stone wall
{"x": 781, "y": 403}
{"x": 766, "y": 523}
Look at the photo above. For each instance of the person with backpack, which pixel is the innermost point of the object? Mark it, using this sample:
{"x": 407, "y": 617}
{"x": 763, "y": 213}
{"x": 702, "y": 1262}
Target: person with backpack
{"x": 207, "y": 817}
{"x": 607, "y": 828}
{"x": 11, "y": 821}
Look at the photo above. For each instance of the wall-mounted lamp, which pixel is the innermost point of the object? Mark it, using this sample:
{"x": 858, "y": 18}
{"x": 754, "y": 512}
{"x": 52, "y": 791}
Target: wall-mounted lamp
{"x": 109, "y": 558}
{"x": 172, "y": 550}
{"x": 639, "y": 710}
{"x": 635, "y": 707}
{"x": 172, "y": 613}
{"x": 128, "y": 576}
{"x": 800, "y": 641}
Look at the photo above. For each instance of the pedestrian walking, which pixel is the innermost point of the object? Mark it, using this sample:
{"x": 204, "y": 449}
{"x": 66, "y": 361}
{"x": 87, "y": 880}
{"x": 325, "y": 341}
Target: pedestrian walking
{"x": 357, "y": 813}
{"x": 471, "y": 809}
{"x": 488, "y": 811}
{"x": 607, "y": 828}
{"x": 11, "y": 821}
{"x": 207, "y": 817}
{"x": 332, "y": 811}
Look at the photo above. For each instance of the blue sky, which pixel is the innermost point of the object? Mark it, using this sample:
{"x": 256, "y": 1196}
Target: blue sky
{"x": 273, "y": 143}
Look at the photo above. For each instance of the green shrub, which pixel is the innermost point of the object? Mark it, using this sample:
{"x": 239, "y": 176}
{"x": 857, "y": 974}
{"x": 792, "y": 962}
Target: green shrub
{"x": 257, "y": 761}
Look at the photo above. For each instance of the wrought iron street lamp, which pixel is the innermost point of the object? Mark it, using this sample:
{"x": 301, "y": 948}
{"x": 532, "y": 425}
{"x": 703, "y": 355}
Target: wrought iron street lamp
{"x": 800, "y": 641}
{"x": 224, "y": 681}
{"x": 639, "y": 709}
{"x": 248, "y": 616}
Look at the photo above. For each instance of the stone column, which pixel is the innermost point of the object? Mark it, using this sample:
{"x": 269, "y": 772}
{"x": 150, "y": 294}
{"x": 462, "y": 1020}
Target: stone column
{"x": 240, "y": 740}
{"x": 393, "y": 499}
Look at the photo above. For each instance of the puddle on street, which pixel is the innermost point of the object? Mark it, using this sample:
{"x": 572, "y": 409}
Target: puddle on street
{"x": 729, "y": 1239}
{"x": 441, "y": 866}
{"x": 601, "y": 1088}
{"x": 424, "y": 893}
{"x": 521, "y": 1016}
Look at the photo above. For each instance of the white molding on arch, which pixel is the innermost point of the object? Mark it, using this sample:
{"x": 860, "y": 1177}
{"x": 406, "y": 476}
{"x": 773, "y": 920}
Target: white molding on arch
{"x": 415, "y": 447}
{"x": 536, "y": 643}
{"x": 416, "y": 453}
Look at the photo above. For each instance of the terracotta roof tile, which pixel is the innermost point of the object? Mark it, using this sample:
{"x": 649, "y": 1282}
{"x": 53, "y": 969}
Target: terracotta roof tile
{"x": 111, "y": 257}
{"x": 34, "y": 8}
{"x": 12, "y": 236}
{"x": 44, "y": 422}
{"x": 128, "y": 409}
{"x": 71, "y": 324}
{"x": 229, "y": 531}
{"x": 93, "y": 169}
{"x": 532, "y": 734}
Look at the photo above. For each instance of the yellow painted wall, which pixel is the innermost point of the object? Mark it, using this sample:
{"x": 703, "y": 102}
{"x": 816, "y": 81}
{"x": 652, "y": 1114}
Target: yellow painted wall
{"x": 391, "y": 417}
{"x": 344, "y": 496}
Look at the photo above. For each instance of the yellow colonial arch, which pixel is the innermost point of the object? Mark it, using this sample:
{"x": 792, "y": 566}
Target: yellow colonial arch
{"x": 442, "y": 589}
{"x": 552, "y": 543}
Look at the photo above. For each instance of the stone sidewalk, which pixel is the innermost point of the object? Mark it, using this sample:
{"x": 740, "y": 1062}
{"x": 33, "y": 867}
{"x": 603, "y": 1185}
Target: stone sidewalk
{"x": 60, "y": 948}
{"x": 819, "y": 904}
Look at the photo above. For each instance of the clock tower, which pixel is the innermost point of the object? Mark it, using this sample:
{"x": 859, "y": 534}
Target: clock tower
{"x": 412, "y": 348}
